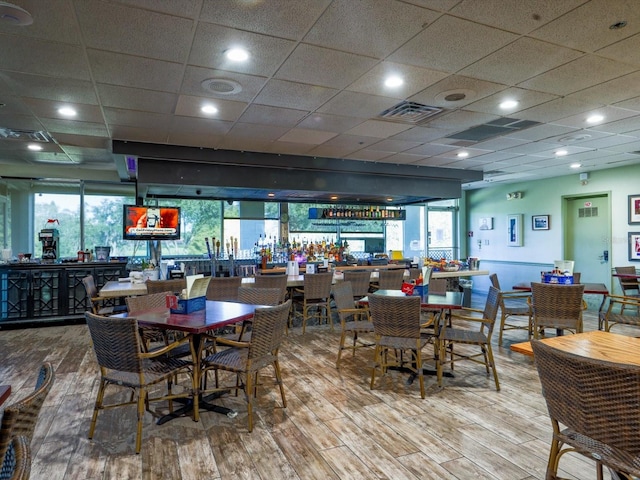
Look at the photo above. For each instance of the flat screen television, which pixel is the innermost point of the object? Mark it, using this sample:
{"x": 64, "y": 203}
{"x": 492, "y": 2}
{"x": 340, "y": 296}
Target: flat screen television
{"x": 150, "y": 223}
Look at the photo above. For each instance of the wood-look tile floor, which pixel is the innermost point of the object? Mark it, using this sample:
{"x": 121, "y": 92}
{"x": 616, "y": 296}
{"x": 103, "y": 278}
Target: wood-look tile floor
{"x": 334, "y": 426}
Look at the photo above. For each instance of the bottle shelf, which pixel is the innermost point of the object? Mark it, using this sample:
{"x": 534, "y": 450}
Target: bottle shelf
{"x": 365, "y": 213}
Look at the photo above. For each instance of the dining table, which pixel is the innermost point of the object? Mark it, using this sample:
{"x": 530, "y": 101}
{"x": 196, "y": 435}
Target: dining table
{"x": 216, "y": 315}
{"x": 5, "y": 391}
{"x": 595, "y": 344}
{"x": 443, "y": 303}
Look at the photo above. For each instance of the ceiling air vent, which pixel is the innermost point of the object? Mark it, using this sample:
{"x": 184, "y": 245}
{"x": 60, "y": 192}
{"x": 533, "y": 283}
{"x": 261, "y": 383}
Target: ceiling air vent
{"x": 25, "y": 135}
{"x": 495, "y": 128}
{"x": 411, "y": 112}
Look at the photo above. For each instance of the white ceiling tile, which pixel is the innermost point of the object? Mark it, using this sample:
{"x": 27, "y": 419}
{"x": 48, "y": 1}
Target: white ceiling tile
{"x": 193, "y": 78}
{"x": 136, "y": 98}
{"x": 519, "y": 61}
{"x": 118, "y": 28}
{"x": 281, "y": 18}
{"x": 281, "y": 93}
{"x": 586, "y": 27}
{"x": 514, "y": 15}
{"x": 435, "y": 47}
{"x": 378, "y": 128}
{"x": 414, "y": 80}
{"x": 212, "y": 41}
{"x": 353, "y": 104}
{"x": 369, "y": 28}
{"x": 473, "y": 89}
{"x": 332, "y": 68}
{"x": 306, "y": 136}
{"x": 138, "y": 72}
{"x": 227, "y": 109}
{"x": 577, "y": 75}
{"x": 40, "y": 57}
{"x": 283, "y": 117}
{"x": 330, "y": 123}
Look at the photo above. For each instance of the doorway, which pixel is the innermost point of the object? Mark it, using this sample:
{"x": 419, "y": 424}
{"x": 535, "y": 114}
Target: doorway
{"x": 587, "y": 234}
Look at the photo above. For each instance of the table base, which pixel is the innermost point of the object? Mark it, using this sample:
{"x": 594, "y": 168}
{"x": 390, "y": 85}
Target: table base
{"x": 203, "y": 404}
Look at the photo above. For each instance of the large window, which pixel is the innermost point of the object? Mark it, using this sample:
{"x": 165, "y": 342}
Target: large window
{"x": 90, "y": 215}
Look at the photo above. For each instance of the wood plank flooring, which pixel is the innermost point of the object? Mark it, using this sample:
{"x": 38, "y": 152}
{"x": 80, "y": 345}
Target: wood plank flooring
{"x": 334, "y": 426}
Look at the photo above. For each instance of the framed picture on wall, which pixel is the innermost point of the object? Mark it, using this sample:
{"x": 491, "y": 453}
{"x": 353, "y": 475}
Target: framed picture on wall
{"x": 486, "y": 223}
{"x": 540, "y": 222}
{"x": 634, "y": 209}
{"x": 634, "y": 246}
{"x": 514, "y": 230}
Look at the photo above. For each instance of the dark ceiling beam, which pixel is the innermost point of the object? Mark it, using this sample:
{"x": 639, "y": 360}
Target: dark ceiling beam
{"x": 163, "y": 165}
{"x": 210, "y": 155}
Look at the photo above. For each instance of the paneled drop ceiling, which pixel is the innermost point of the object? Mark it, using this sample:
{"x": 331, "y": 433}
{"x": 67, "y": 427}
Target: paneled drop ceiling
{"x": 313, "y": 86}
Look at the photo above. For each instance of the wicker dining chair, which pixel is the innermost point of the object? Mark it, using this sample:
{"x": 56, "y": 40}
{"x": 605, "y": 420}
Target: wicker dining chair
{"x": 396, "y": 325}
{"x": 615, "y": 314}
{"x": 123, "y": 363}
{"x": 360, "y": 281}
{"x": 7, "y": 421}
{"x": 224, "y": 288}
{"x": 255, "y": 296}
{"x": 454, "y": 334}
{"x": 353, "y": 320}
{"x": 16, "y": 462}
{"x": 99, "y": 306}
{"x": 316, "y": 295}
{"x": 28, "y": 408}
{"x": 556, "y": 306}
{"x": 272, "y": 281}
{"x": 247, "y": 359}
{"x": 389, "y": 279}
{"x": 173, "y": 285}
{"x": 596, "y": 402}
{"x": 630, "y": 286}
{"x": 152, "y": 301}
{"x": 513, "y": 303}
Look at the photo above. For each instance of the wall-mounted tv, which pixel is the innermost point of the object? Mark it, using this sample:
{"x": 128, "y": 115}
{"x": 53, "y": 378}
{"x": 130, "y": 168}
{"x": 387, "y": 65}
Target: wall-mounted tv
{"x": 151, "y": 223}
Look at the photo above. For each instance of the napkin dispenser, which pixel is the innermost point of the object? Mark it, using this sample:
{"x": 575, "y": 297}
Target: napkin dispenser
{"x": 293, "y": 268}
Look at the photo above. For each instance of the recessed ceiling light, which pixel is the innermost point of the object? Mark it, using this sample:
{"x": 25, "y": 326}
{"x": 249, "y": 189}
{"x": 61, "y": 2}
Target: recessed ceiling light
{"x": 393, "y": 81}
{"x": 35, "y": 147}
{"x": 67, "y": 111}
{"x": 507, "y": 104}
{"x": 463, "y": 154}
{"x": 389, "y": 199}
{"x": 561, "y": 153}
{"x": 596, "y": 118}
{"x": 271, "y": 194}
{"x": 14, "y": 15}
{"x": 575, "y": 165}
{"x": 334, "y": 197}
{"x": 237, "y": 54}
{"x": 209, "y": 109}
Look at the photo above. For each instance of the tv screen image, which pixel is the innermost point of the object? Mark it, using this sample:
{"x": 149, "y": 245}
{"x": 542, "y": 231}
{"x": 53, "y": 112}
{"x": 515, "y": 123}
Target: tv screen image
{"x": 151, "y": 223}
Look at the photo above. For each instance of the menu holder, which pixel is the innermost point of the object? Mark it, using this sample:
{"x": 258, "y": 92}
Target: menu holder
{"x": 194, "y": 299}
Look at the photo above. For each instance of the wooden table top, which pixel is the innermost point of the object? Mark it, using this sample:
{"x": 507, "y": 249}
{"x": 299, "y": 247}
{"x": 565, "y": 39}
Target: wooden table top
{"x": 450, "y": 300}
{"x": 216, "y": 315}
{"x": 115, "y": 289}
{"x": 596, "y": 344}
{"x": 5, "y": 391}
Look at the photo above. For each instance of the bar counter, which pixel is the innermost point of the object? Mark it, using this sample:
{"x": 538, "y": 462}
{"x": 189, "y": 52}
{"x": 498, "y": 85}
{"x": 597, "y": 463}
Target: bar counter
{"x": 35, "y": 292}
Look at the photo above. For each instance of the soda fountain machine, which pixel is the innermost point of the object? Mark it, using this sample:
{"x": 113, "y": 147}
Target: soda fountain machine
{"x": 49, "y": 238}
